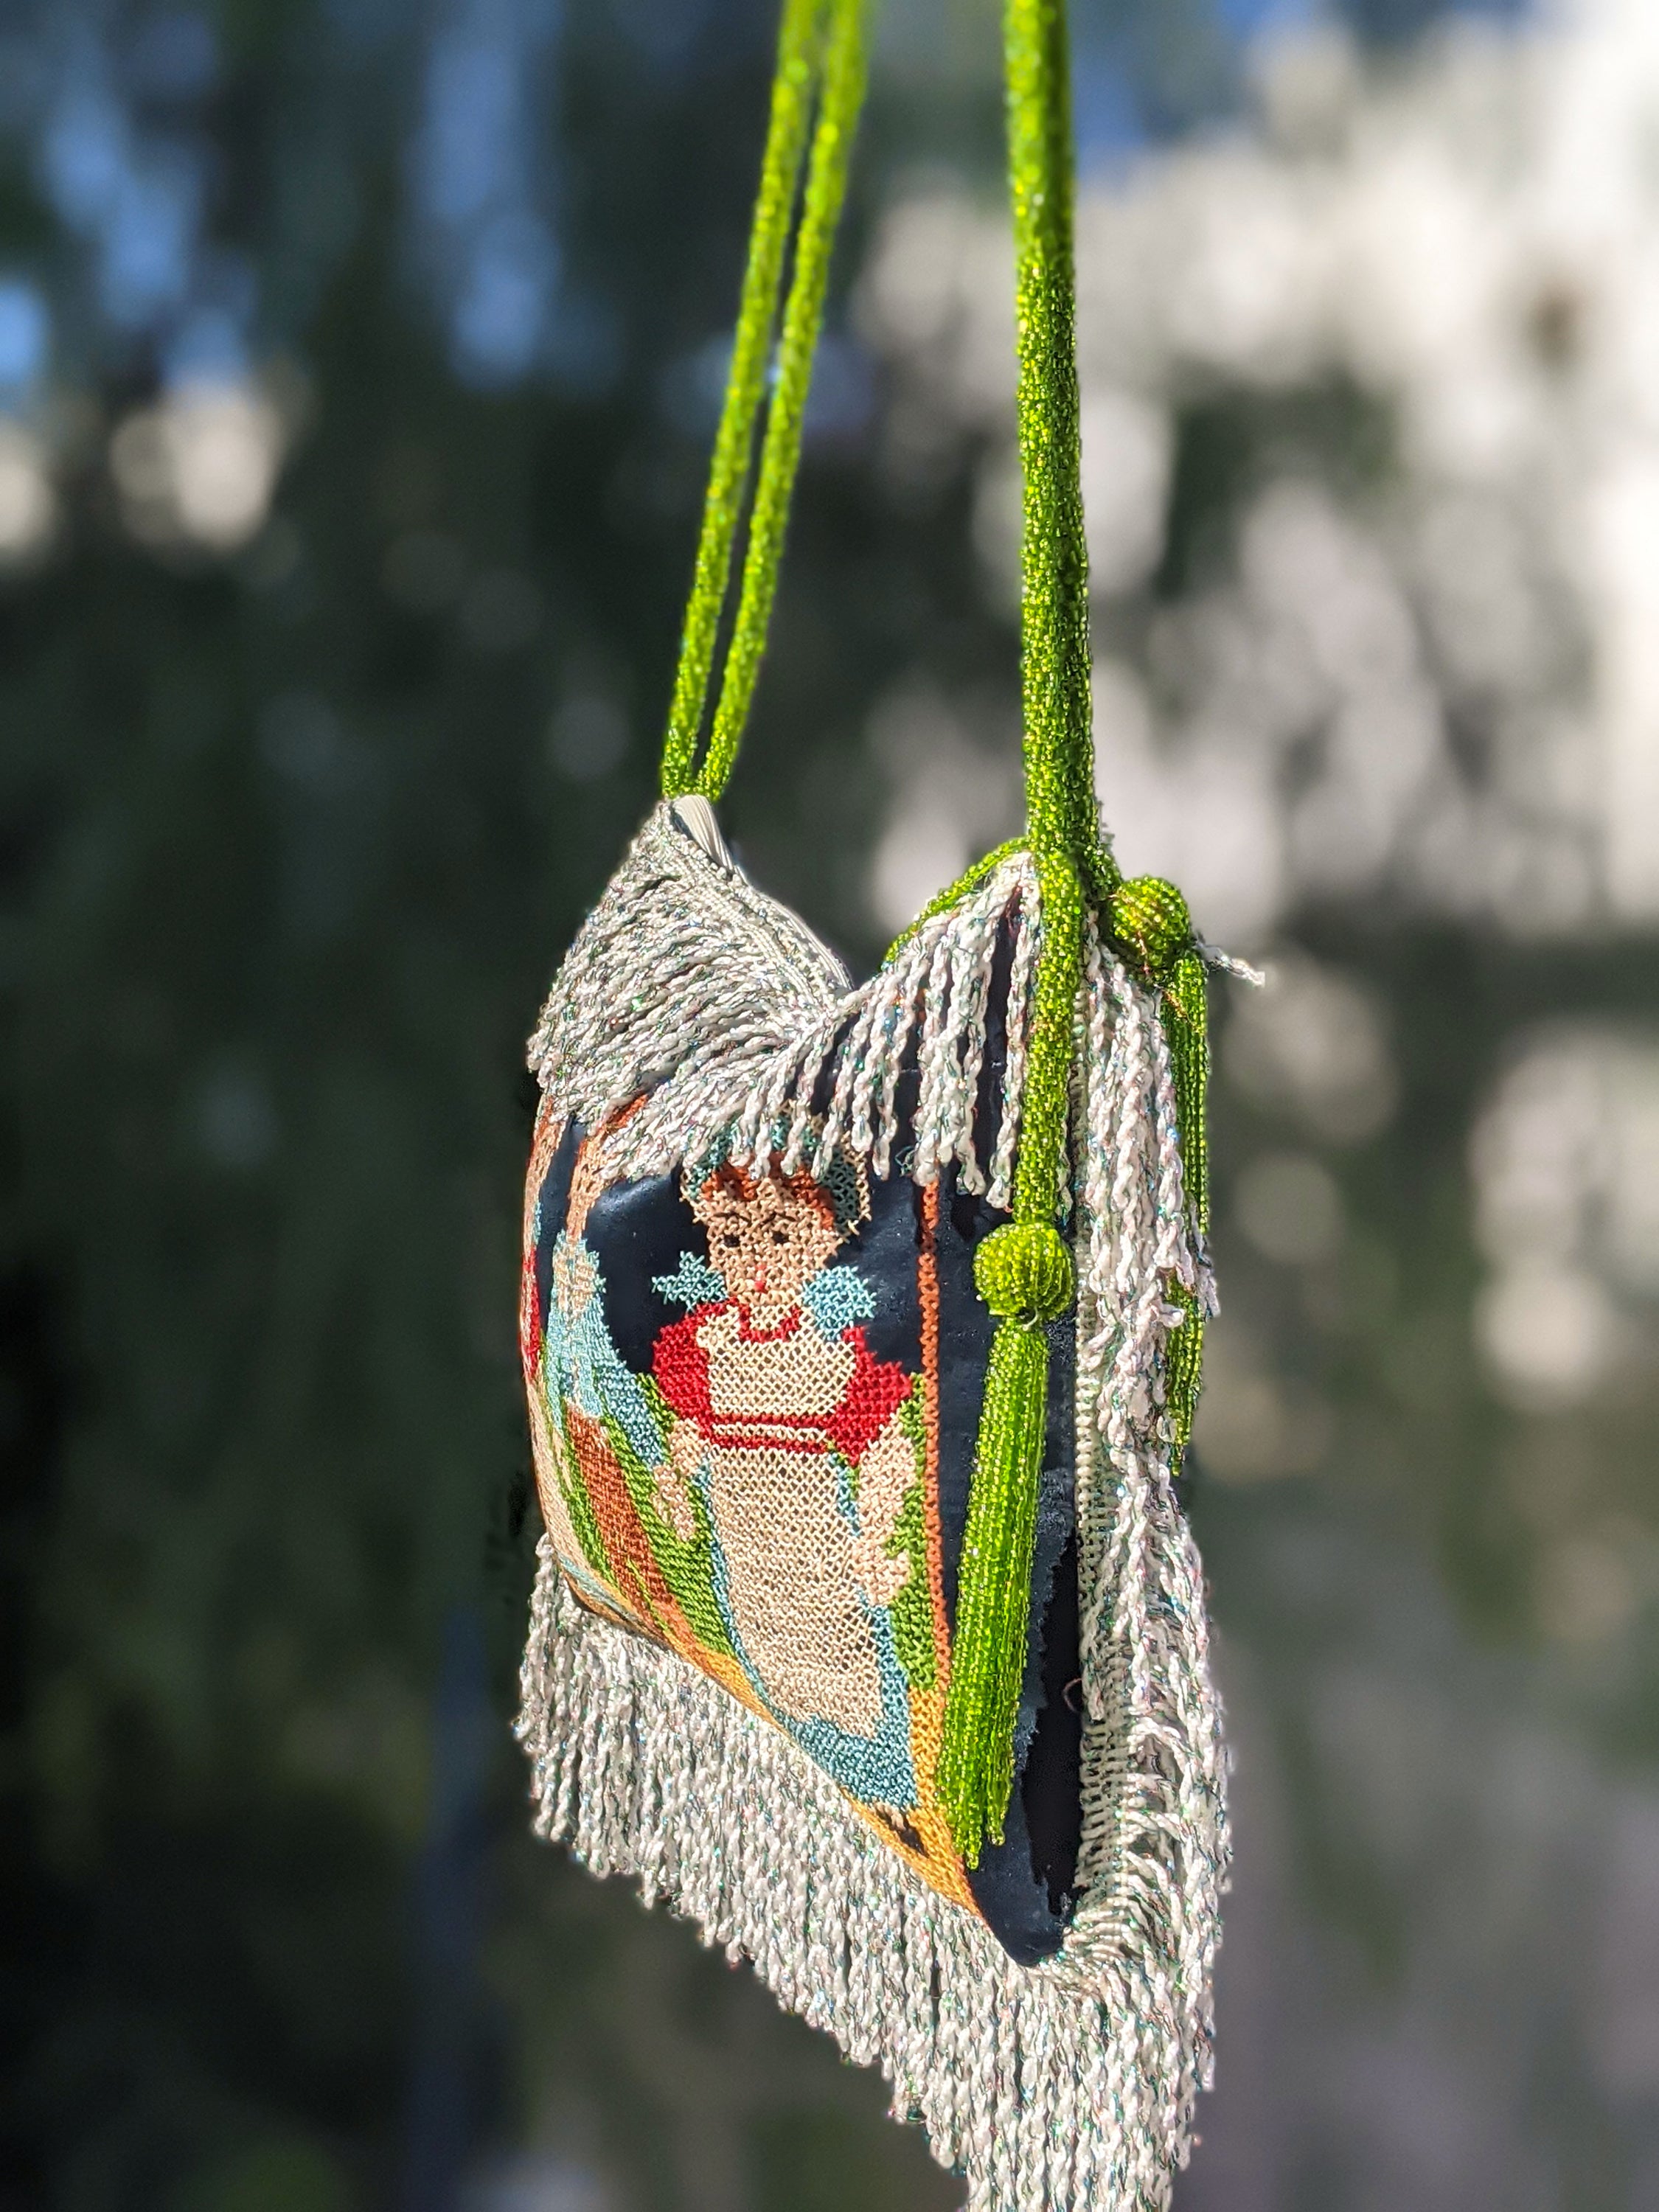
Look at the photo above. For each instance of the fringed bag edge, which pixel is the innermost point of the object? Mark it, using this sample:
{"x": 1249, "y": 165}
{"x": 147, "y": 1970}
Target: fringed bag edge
{"x": 1046, "y": 2097}
{"x": 620, "y": 1735}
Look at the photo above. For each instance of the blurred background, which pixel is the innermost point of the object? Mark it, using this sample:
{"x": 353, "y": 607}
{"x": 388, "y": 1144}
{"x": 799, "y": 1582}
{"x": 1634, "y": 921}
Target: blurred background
{"x": 358, "y": 366}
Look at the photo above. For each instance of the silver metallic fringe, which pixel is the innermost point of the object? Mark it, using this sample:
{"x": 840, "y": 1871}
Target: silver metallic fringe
{"x": 687, "y": 981}
{"x": 1064, "y": 2088}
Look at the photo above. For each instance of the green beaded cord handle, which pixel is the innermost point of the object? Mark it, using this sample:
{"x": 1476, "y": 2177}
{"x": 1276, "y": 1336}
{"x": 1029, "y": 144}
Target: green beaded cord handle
{"x": 1025, "y": 1270}
{"x": 822, "y": 59}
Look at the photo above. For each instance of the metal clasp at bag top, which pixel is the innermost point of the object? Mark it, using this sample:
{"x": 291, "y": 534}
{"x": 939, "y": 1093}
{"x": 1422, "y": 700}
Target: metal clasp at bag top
{"x": 696, "y": 817}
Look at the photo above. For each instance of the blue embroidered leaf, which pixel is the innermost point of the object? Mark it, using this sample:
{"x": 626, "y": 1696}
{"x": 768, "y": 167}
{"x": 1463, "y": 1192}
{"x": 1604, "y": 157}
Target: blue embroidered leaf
{"x": 692, "y": 1283}
{"x": 836, "y": 1298}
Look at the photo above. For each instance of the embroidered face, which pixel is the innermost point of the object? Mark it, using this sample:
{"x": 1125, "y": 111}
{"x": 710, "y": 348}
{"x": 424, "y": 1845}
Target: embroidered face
{"x": 767, "y": 1235}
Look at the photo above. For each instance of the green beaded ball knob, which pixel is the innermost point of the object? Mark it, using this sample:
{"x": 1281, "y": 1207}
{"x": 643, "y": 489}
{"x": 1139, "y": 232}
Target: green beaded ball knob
{"x": 1150, "y": 916}
{"x": 1024, "y": 1271}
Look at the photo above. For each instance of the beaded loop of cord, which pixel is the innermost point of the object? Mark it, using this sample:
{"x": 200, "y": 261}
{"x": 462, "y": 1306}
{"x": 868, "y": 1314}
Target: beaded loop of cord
{"x": 822, "y": 62}
{"x": 822, "y": 65}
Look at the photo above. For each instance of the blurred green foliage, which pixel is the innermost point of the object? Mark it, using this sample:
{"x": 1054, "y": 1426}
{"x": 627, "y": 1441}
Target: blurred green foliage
{"x": 292, "y": 840}
{"x": 289, "y": 861}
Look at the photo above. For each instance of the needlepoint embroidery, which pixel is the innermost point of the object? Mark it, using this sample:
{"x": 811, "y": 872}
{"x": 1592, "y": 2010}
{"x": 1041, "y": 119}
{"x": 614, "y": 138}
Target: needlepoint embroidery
{"x": 692, "y": 1283}
{"x": 750, "y": 1484}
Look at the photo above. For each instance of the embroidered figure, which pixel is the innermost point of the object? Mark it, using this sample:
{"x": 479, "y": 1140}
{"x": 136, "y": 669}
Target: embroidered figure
{"x": 794, "y": 1436}
{"x": 543, "y": 1339}
{"x": 590, "y": 1394}
{"x": 598, "y": 1439}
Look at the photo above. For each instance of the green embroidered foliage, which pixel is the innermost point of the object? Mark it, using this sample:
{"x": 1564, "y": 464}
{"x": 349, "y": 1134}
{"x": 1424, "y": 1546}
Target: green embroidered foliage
{"x": 574, "y": 1493}
{"x": 912, "y": 1610}
{"x": 976, "y": 1775}
{"x": 686, "y": 1566}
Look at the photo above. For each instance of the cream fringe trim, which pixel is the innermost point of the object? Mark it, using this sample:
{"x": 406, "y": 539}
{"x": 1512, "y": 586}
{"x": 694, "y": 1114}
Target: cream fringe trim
{"x": 1067, "y": 2087}
{"x": 1047, "y": 2098}
{"x": 732, "y": 999}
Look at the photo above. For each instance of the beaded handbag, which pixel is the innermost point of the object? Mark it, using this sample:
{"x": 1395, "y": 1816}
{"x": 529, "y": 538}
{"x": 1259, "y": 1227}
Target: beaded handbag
{"x": 861, "y": 1328}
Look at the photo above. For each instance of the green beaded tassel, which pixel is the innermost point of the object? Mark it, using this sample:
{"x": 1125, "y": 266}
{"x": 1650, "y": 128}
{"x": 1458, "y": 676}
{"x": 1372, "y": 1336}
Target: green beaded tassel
{"x": 1025, "y": 1270}
{"x": 1024, "y": 1274}
{"x": 1148, "y": 920}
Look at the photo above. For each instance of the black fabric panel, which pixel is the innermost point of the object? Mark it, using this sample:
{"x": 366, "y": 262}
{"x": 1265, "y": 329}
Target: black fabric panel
{"x": 1051, "y": 1781}
{"x": 553, "y": 1198}
{"x": 637, "y": 1230}
{"x": 886, "y": 1252}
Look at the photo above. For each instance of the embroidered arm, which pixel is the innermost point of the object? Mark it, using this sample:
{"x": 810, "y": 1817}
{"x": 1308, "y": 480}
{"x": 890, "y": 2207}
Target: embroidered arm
{"x": 674, "y": 1478}
{"x": 681, "y": 1367}
{"x": 876, "y": 1388}
{"x": 885, "y": 1472}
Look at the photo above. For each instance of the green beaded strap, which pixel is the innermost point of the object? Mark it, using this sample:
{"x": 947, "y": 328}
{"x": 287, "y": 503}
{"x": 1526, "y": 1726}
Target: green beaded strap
{"x": 1024, "y": 1271}
{"x": 1149, "y": 922}
{"x": 823, "y": 63}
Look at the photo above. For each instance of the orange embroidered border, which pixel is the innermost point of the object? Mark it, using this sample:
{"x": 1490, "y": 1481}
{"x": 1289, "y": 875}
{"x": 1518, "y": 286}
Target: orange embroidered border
{"x": 927, "y": 1290}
